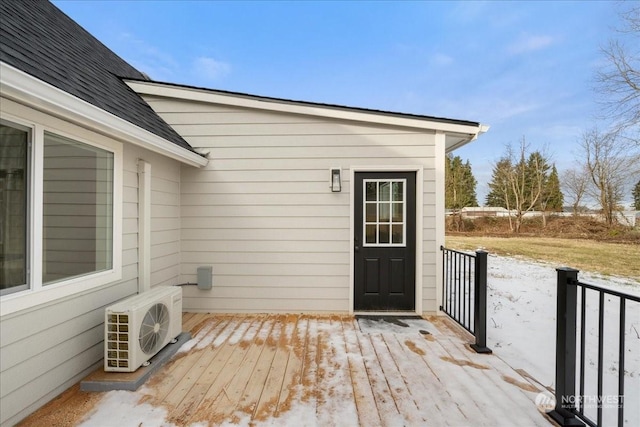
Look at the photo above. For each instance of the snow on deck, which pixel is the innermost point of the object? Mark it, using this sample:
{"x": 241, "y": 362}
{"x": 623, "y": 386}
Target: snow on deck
{"x": 300, "y": 370}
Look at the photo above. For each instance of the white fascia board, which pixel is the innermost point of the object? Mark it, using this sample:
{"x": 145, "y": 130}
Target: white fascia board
{"x": 203, "y": 95}
{"x": 453, "y": 141}
{"x": 35, "y": 93}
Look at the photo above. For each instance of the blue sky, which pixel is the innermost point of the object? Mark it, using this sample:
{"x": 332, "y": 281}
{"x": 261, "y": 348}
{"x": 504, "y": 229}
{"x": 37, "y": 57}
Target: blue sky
{"x": 524, "y": 68}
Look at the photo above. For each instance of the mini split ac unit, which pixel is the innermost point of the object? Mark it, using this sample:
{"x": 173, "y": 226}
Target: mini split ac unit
{"x": 140, "y": 326}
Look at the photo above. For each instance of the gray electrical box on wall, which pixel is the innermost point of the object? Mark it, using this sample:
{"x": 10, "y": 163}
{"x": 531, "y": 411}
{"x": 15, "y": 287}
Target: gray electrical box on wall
{"x": 205, "y": 277}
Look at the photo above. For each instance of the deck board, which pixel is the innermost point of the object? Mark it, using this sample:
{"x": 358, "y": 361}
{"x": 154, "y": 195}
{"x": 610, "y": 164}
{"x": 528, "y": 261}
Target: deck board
{"x": 398, "y": 384}
{"x": 368, "y": 414}
{"x": 321, "y": 370}
{"x": 483, "y": 378}
{"x": 385, "y": 403}
{"x": 421, "y": 383}
{"x": 199, "y": 379}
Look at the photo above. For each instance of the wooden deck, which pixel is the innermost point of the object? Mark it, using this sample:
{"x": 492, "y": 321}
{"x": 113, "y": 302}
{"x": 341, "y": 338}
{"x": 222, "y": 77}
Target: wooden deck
{"x": 319, "y": 371}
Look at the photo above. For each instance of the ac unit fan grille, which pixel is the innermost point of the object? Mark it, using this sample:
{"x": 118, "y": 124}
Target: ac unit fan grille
{"x": 154, "y": 328}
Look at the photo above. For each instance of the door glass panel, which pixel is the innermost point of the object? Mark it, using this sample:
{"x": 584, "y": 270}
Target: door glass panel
{"x": 371, "y": 234}
{"x": 372, "y": 191}
{"x": 371, "y": 212}
{"x": 398, "y": 191}
{"x": 383, "y": 236}
{"x": 384, "y": 191}
{"x": 384, "y": 212}
{"x": 397, "y": 233}
{"x": 398, "y": 209}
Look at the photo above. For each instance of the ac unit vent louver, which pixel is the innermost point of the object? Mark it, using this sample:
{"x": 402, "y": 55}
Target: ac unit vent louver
{"x": 140, "y": 326}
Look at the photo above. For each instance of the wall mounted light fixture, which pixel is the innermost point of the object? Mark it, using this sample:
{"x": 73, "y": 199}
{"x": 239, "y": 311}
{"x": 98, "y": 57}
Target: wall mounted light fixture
{"x": 335, "y": 180}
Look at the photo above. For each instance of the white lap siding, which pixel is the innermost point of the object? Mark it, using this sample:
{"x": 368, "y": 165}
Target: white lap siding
{"x": 263, "y": 215}
{"x": 48, "y": 348}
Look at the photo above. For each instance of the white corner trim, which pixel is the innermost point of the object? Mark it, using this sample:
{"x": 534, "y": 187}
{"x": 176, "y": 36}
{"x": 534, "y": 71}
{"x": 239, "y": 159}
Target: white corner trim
{"x": 237, "y": 100}
{"x": 33, "y": 92}
{"x": 439, "y": 214}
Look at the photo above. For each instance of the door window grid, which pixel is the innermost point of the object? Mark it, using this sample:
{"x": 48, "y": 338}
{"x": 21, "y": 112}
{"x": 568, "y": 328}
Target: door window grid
{"x": 384, "y": 212}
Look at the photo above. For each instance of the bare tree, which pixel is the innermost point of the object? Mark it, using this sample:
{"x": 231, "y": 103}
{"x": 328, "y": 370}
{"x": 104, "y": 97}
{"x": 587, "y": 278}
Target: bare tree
{"x": 500, "y": 185}
{"x": 574, "y": 186}
{"x": 518, "y": 181}
{"x": 619, "y": 80}
{"x": 611, "y": 162}
{"x": 527, "y": 180}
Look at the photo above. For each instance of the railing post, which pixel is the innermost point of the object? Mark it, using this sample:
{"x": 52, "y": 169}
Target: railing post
{"x": 444, "y": 279}
{"x": 567, "y": 302}
{"x": 480, "y": 303}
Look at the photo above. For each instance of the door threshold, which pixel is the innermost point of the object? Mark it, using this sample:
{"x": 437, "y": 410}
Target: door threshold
{"x": 387, "y": 313}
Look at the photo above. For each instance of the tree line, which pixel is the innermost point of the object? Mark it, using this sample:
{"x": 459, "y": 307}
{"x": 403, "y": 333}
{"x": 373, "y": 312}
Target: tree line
{"x": 524, "y": 180}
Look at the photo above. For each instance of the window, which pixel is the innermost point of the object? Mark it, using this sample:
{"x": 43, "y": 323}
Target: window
{"x": 77, "y": 209}
{"x": 14, "y": 184}
{"x": 384, "y": 212}
{"x": 59, "y": 231}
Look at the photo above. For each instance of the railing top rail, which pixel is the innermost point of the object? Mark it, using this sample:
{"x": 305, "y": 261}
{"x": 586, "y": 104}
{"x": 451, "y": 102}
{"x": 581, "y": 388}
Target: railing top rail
{"x": 473, "y": 255}
{"x": 607, "y": 291}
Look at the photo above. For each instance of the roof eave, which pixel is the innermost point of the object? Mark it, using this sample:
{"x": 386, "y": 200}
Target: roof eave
{"x": 453, "y": 141}
{"x": 26, "y": 89}
{"x": 448, "y": 126}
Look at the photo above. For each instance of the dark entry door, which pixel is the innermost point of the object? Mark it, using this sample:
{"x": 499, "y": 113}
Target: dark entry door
{"x": 385, "y": 241}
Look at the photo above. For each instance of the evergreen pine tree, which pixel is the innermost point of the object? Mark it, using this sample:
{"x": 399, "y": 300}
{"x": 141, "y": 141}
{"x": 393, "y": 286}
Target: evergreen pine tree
{"x": 554, "y": 196}
{"x": 460, "y": 184}
{"x": 636, "y": 196}
{"x": 470, "y": 183}
{"x": 500, "y": 193}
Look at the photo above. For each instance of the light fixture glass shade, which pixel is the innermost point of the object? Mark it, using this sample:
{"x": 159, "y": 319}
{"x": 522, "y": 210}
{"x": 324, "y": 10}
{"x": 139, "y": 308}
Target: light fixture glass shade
{"x": 336, "y": 184}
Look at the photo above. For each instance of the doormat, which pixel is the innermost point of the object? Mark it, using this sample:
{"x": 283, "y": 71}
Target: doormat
{"x": 395, "y": 325}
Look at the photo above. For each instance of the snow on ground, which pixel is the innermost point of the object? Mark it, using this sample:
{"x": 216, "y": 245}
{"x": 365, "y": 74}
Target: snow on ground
{"x": 123, "y": 408}
{"x": 521, "y": 313}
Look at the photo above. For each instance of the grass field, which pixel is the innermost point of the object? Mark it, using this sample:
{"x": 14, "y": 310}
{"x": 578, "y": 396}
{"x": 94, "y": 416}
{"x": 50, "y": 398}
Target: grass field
{"x": 618, "y": 259}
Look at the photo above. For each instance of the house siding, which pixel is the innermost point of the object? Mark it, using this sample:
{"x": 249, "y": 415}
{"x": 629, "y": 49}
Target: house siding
{"x": 262, "y": 214}
{"x": 48, "y": 348}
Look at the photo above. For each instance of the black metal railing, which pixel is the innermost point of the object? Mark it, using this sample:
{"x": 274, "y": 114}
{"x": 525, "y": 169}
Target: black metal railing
{"x": 577, "y": 302}
{"x": 464, "y": 292}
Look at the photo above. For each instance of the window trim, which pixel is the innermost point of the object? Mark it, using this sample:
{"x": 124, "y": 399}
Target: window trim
{"x": 38, "y": 294}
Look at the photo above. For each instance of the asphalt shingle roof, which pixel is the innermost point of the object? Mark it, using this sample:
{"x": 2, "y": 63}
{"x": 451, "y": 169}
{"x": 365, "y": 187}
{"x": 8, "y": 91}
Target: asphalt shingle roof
{"x": 39, "y": 39}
